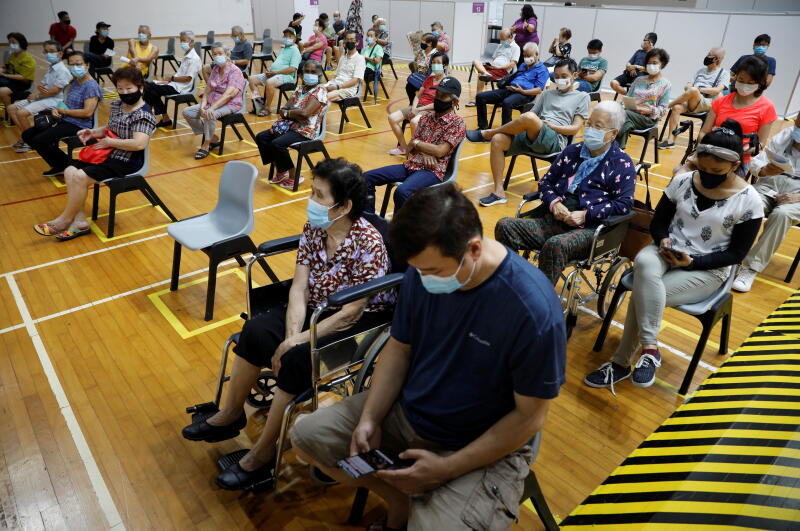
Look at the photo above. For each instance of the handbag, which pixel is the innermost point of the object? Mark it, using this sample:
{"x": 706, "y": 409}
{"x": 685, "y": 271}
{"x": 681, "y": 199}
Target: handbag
{"x": 638, "y": 236}
{"x": 44, "y": 120}
{"x": 94, "y": 155}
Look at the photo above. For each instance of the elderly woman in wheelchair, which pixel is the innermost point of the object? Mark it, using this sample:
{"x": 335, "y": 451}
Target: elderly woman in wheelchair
{"x": 338, "y": 249}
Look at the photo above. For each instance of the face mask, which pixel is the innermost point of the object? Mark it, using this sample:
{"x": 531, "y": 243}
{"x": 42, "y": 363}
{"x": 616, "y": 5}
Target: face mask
{"x": 711, "y": 180}
{"x": 760, "y": 50}
{"x": 185, "y": 46}
{"x": 52, "y": 57}
{"x": 505, "y": 44}
{"x": 235, "y": 39}
{"x": 745, "y": 89}
{"x": 318, "y": 214}
{"x": 67, "y": 22}
{"x": 382, "y": 27}
{"x": 288, "y": 41}
{"x": 435, "y": 33}
{"x": 708, "y": 60}
{"x": 14, "y": 47}
{"x": 594, "y": 138}
{"x": 440, "y": 106}
{"x": 142, "y": 37}
{"x": 349, "y": 46}
{"x": 310, "y": 79}
{"x": 442, "y": 285}
{"x": 530, "y": 60}
{"x": 796, "y": 134}
{"x": 423, "y": 46}
{"x": 593, "y": 56}
{"x": 437, "y": 69}
{"x": 337, "y": 19}
{"x": 78, "y": 71}
{"x": 104, "y": 32}
{"x": 563, "y": 83}
{"x": 653, "y": 69}
{"x": 131, "y": 97}
{"x": 370, "y": 40}
{"x": 220, "y": 60}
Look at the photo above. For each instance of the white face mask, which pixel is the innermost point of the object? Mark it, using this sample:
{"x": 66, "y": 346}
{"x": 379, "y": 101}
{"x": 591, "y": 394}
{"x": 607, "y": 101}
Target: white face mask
{"x": 530, "y": 60}
{"x": 653, "y": 69}
{"x": 745, "y": 89}
{"x": 563, "y": 83}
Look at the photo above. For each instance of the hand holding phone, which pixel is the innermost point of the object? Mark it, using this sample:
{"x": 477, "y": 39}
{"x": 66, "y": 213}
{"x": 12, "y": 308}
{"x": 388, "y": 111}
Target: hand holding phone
{"x": 369, "y": 462}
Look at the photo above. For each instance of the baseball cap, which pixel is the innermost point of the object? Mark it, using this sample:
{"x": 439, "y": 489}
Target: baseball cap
{"x": 102, "y": 24}
{"x": 449, "y": 85}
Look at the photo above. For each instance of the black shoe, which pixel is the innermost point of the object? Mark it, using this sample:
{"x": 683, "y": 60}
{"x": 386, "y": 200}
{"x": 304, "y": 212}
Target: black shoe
{"x": 320, "y": 477}
{"x": 607, "y": 375}
{"x": 644, "y": 373}
{"x": 475, "y": 135}
{"x": 164, "y": 123}
{"x": 237, "y": 478}
{"x": 666, "y": 145}
{"x": 201, "y": 430}
{"x": 486, "y": 78}
{"x": 52, "y": 172}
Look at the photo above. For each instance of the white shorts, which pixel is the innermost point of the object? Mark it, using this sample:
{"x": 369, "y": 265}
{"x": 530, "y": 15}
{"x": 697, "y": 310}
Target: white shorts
{"x": 38, "y": 106}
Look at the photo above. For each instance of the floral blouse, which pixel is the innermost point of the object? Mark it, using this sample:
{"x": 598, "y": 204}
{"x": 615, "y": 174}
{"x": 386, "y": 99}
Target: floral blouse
{"x": 218, "y": 83}
{"x": 361, "y": 257}
{"x": 654, "y": 95}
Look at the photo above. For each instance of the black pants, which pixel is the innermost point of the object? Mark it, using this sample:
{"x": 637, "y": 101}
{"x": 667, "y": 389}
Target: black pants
{"x": 97, "y": 61}
{"x": 509, "y": 101}
{"x": 153, "y": 94}
{"x": 411, "y": 91}
{"x": 19, "y": 89}
{"x": 45, "y": 141}
{"x": 274, "y": 148}
{"x": 263, "y": 334}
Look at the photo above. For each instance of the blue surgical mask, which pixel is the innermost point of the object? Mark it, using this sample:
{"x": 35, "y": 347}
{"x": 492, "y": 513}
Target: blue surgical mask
{"x": 104, "y": 32}
{"x": 796, "y": 134}
{"x": 435, "y": 33}
{"x": 593, "y": 56}
{"x": 78, "y": 71}
{"x": 14, "y": 47}
{"x": 760, "y": 50}
{"x": 235, "y": 39}
{"x": 370, "y": 40}
{"x": 318, "y": 214}
{"x": 310, "y": 79}
{"x": 437, "y": 69}
{"x": 442, "y": 285}
{"x": 288, "y": 41}
{"x": 52, "y": 57}
{"x": 594, "y": 138}
{"x": 382, "y": 27}
{"x": 220, "y": 60}
{"x": 142, "y": 37}
{"x": 185, "y": 46}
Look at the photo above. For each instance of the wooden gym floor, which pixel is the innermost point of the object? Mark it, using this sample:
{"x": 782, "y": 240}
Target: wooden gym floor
{"x": 98, "y": 359}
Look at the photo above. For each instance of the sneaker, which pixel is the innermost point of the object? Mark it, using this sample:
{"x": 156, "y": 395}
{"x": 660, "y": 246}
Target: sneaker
{"x": 279, "y": 177}
{"x": 606, "y": 376}
{"x": 492, "y": 199}
{"x": 23, "y": 148}
{"x": 644, "y": 373}
{"x": 471, "y": 104}
{"x": 17, "y": 144}
{"x": 397, "y": 151}
{"x": 52, "y": 172}
{"x": 666, "y": 145}
{"x": 289, "y": 183}
{"x": 744, "y": 280}
{"x": 475, "y": 135}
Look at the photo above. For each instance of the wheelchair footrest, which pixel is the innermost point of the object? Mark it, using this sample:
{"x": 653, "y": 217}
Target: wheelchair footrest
{"x": 258, "y": 486}
{"x": 228, "y": 460}
{"x": 205, "y": 408}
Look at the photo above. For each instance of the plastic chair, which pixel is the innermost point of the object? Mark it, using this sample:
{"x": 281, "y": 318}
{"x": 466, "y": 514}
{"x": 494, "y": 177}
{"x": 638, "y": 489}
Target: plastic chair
{"x": 354, "y": 101}
{"x": 525, "y": 107}
{"x": 222, "y": 233}
{"x": 207, "y": 46}
{"x": 651, "y": 133}
{"x": 307, "y": 147}
{"x": 450, "y": 175}
{"x": 97, "y": 74}
{"x": 718, "y": 306}
{"x": 488, "y": 52}
{"x": 793, "y": 267}
{"x": 167, "y": 57}
{"x": 266, "y": 55}
{"x": 283, "y": 91}
{"x": 233, "y": 119}
{"x": 73, "y": 142}
{"x": 186, "y": 98}
{"x": 374, "y": 89}
{"x": 129, "y": 183}
{"x": 264, "y": 36}
{"x": 547, "y": 158}
{"x": 387, "y": 60}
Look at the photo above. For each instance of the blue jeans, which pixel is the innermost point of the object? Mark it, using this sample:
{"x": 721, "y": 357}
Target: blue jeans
{"x": 584, "y": 86}
{"x": 509, "y": 101}
{"x": 412, "y": 180}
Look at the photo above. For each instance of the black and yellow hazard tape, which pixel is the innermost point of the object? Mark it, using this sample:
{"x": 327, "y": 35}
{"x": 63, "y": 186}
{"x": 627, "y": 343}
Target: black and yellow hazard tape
{"x": 728, "y": 457}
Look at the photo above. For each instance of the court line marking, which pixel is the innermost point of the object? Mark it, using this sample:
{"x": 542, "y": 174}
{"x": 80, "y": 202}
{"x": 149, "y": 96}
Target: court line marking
{"x": 99, "y": 486}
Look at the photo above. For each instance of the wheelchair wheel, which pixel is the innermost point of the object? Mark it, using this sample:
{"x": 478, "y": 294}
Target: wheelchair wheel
{"x": 609, "y": 286}
{"x": 260, "y": 396}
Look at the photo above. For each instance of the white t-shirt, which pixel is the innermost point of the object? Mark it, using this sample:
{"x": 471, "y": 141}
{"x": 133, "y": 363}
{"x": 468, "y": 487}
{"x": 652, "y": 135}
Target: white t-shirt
{"x": 504, "y": 55}
{"x": 57, "y": 75}
{"x": 702, "y": 232}
{"x": 349, "y": 67}
{"x": 190, "y": 66}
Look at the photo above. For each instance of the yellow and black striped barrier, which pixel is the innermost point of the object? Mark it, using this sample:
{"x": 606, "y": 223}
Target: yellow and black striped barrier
{"x": 728, "y": 458}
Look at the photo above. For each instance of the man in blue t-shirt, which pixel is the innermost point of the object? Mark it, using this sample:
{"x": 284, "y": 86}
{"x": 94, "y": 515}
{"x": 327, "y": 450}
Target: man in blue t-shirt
{"x": 477, "y": 351}
{"x": 760, "y": 47}
{"x": 635, "y": 66}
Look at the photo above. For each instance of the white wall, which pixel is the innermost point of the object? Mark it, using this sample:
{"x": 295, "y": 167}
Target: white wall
{"x": 165, "y": 17}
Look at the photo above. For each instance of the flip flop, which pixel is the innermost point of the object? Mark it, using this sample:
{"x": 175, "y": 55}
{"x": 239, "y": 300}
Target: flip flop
{"x": 201, "y": 154}
{"x": 71, "y": 233}
{"x": 263, "y": 112}
{"x": 46, "y": 229}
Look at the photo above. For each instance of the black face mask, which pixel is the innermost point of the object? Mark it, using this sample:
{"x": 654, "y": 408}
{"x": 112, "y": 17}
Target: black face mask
{"x": 708, "y": 60}
{"x": 66, "y": 22}
{"x": 423, "y": 46}
{"x": 349, "y": 46}
{"x": 440, "y": 106}
{"x": 711, "y": 180}
{"x": 131, "y": 97}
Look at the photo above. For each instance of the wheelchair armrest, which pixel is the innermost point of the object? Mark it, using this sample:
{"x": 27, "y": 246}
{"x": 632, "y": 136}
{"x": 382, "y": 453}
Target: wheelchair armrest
{"x": 527, "y": 198}
{"x": 366, "y": 289}
{"x": 612, "y": 221}
{"x": 280, "y": 245}
{"x": 532, "y": 196}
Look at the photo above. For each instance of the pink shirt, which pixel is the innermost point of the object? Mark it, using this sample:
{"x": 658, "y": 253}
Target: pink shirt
{"x": 218, "y": 83}
{"x": 317, "y": 54}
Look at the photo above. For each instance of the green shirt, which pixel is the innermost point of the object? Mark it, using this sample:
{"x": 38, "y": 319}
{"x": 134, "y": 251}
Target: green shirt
{"x": 22, "y": 64}
{"x": 288, "y": 56}
{"x": 593, "y": 65}
{"x": 329, "y": 32}
{"x": 376, "y": 50}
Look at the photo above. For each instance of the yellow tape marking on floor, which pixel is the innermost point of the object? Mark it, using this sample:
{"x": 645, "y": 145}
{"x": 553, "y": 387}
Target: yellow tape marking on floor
{"x": 102, "y": 236}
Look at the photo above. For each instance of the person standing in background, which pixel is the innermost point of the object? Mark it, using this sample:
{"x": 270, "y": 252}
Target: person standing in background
{"x": 525, "y": 28}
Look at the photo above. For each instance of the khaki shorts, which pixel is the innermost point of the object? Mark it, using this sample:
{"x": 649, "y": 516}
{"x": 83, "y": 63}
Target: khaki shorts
{"x": 37, "y": 106}
{"x": 704, "y": 105}
{"x": 343, "y": 93}
{"x": 485, "y": 499}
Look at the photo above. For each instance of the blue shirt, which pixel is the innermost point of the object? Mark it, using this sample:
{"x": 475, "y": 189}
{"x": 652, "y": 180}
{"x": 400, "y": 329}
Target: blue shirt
{"x": 472, "y": 350}
{"x": 770, "y": 61}
{"x": 528, "y": 77}
{"x": 638, "y": 57}
{"x": 77, "y": 93}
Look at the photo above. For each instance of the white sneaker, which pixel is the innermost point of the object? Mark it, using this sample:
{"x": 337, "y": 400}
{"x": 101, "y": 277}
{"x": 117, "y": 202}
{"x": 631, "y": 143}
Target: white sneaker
{"x": 744, "y": 280}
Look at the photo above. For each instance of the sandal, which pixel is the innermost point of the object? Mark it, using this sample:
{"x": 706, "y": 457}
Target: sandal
{"x": 72, "y": 232}
{"x": 201, "y": 154}
{"x": 46, "y": 229}
{"x": 263, "y": 112}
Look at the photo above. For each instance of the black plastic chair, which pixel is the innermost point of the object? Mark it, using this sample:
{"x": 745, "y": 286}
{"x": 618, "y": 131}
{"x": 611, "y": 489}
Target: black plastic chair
{"x": 387, "y": 60}
{"x": 525, "y": 107}
{"x": 206, "y": 47}
{"x": 283, "y": 91}
{"x": 264, "y": 36}
{"x": 547, "y": 158}
{"x": 187, "y": 98}
{"x": 266, "y": 55}
{"x": 233, "y": 119}
{"x": 306, "y": 148}
{"x": 372, "y": 88}
{"x": 792, "y": 268}
{"x": 354, "y": 101}
{"x": 168, "y": 57}
{"x": 73, "y": 142}
{"x": 648, "y": 134}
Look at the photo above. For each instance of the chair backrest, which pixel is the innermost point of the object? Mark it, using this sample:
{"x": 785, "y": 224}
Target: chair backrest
{"x": 266, "y": 48}
{"x": 490, "y": 48}
{"x": 266, "y": 35}
{"x": 451, "y": 174}
{"x": 96, "y": 112}
{"x": 145, "y": 165}
{"x": 198, "y": 47}
{"x": 6, "y": 55}
{"x": 233, "y": 212}
{"x": 85, "y": 46}
{"x": 360, "y": 91}
{"x": 383, "y": 227}
{"x": 171, "y": 46}
{"x": 323, "y": 124}
{"x": 210, "y": 37}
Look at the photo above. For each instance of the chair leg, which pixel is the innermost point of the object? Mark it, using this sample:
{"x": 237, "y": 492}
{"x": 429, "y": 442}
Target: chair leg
{"x": 236, "y": 132}
{"x": 387, "y": 194}
{"x": 491, "y": 120}
{"x": 535, "y": 169}
{"x": 655, "y": 148}
{"x": 792, "y": 268}
{"x": 471, "y": 71}
{"x": 112, "y": 213}
{"x": 664, "y": 127}
{"x": 644, "y": 149}
{"x": 176, "y": 266}
{"x": 540, "y": 504}
{"x": 328, "y": 157}
{"x": 510, "y": 170}
{"x": 364, "y": 115}
{"x": 342, "y": 120}
{"x": 247, "y": 126}
{"x": 708, "y": 323}
{"x": 359, "y": 504}
{"x": 268, "y": 270}
{"x": 297, "y": 169}
{"x": 393, "y": 72}
{"x": 212, "y": 288}
{"x": 601, "y": 336}
{"x": 724, "y": 333}
{"x": 239, "y": 260}
{"x": 95, "y": 200}
{"x": 222, "y": 139}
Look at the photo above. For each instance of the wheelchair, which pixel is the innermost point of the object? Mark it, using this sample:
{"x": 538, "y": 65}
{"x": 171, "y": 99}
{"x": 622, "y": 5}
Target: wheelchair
{"x": 604, "y": 262}
{"x": 343, "y": 367}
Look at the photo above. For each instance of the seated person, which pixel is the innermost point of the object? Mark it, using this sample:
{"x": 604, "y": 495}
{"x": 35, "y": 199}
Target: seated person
{"x": 560, "y": 48}
{"x": 301, "y": 120}
{"x": 101, "y": 48}
{"x": 422, "y": 105}
{"x": 592, "y": 68}
{"x": 314, "y": 47}
{"x": 457, "y": 390}
{"x": 529, "y": 81}
{"x": 132, "y": 122}
{"x": 281, "y": 72}
{"x": 63, "y": 32}
{"x": 242, "y": 50}
{"x": 223, "y": 96}
{"x": 75, "y": 113}
{"x": 330, "y": 36}
{"x": 504, "y": 60}
{"x": 338, "y": 27}
{"x": 349, "y": 71}
{"x": 707, "y": 85}
{"x": 776, "y": 171}
{"x": 704, "y": 223}
{"x": 297, "y": 24}
{"x": 17, "y": 75}
{"x": 180, "y": 83}
{"x": 557, "y": 114}
{"x": 421, "y": 67}
{"x": 47, "y": 94}
{"x": 279, "y": 339}
{"x": 436, "y": 138}
{"x": 142, "y": 52}
{"x": 442, "y": 38}
{"x": 373, "y": 55}
{"x": 382, "y": 37}
{"x": 635, "y": 66}
{"x": 651, "y": 92}
{"x": 760, "y": 47}
{"x": 589, "y": 182}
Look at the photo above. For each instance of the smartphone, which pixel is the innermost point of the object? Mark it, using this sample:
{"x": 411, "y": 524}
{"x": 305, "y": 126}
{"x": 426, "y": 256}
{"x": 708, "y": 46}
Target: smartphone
{"x": 367, "y": 463}
{"x": 629, "y": 103}
{"x": 675, "y": 254}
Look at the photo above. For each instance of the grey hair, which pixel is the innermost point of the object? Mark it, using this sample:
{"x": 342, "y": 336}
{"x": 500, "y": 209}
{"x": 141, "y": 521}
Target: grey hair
{"x": 55, "y": 44}
{"x": 531, "y": 46}
{"x": 189, "y": 34}
{"x": 316, "y": 64}
{"x": 237, "y": 29}
{"x": 614, "y": 110}
{"x": 220, "y": 45}
{"x": 380, "y": 21}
